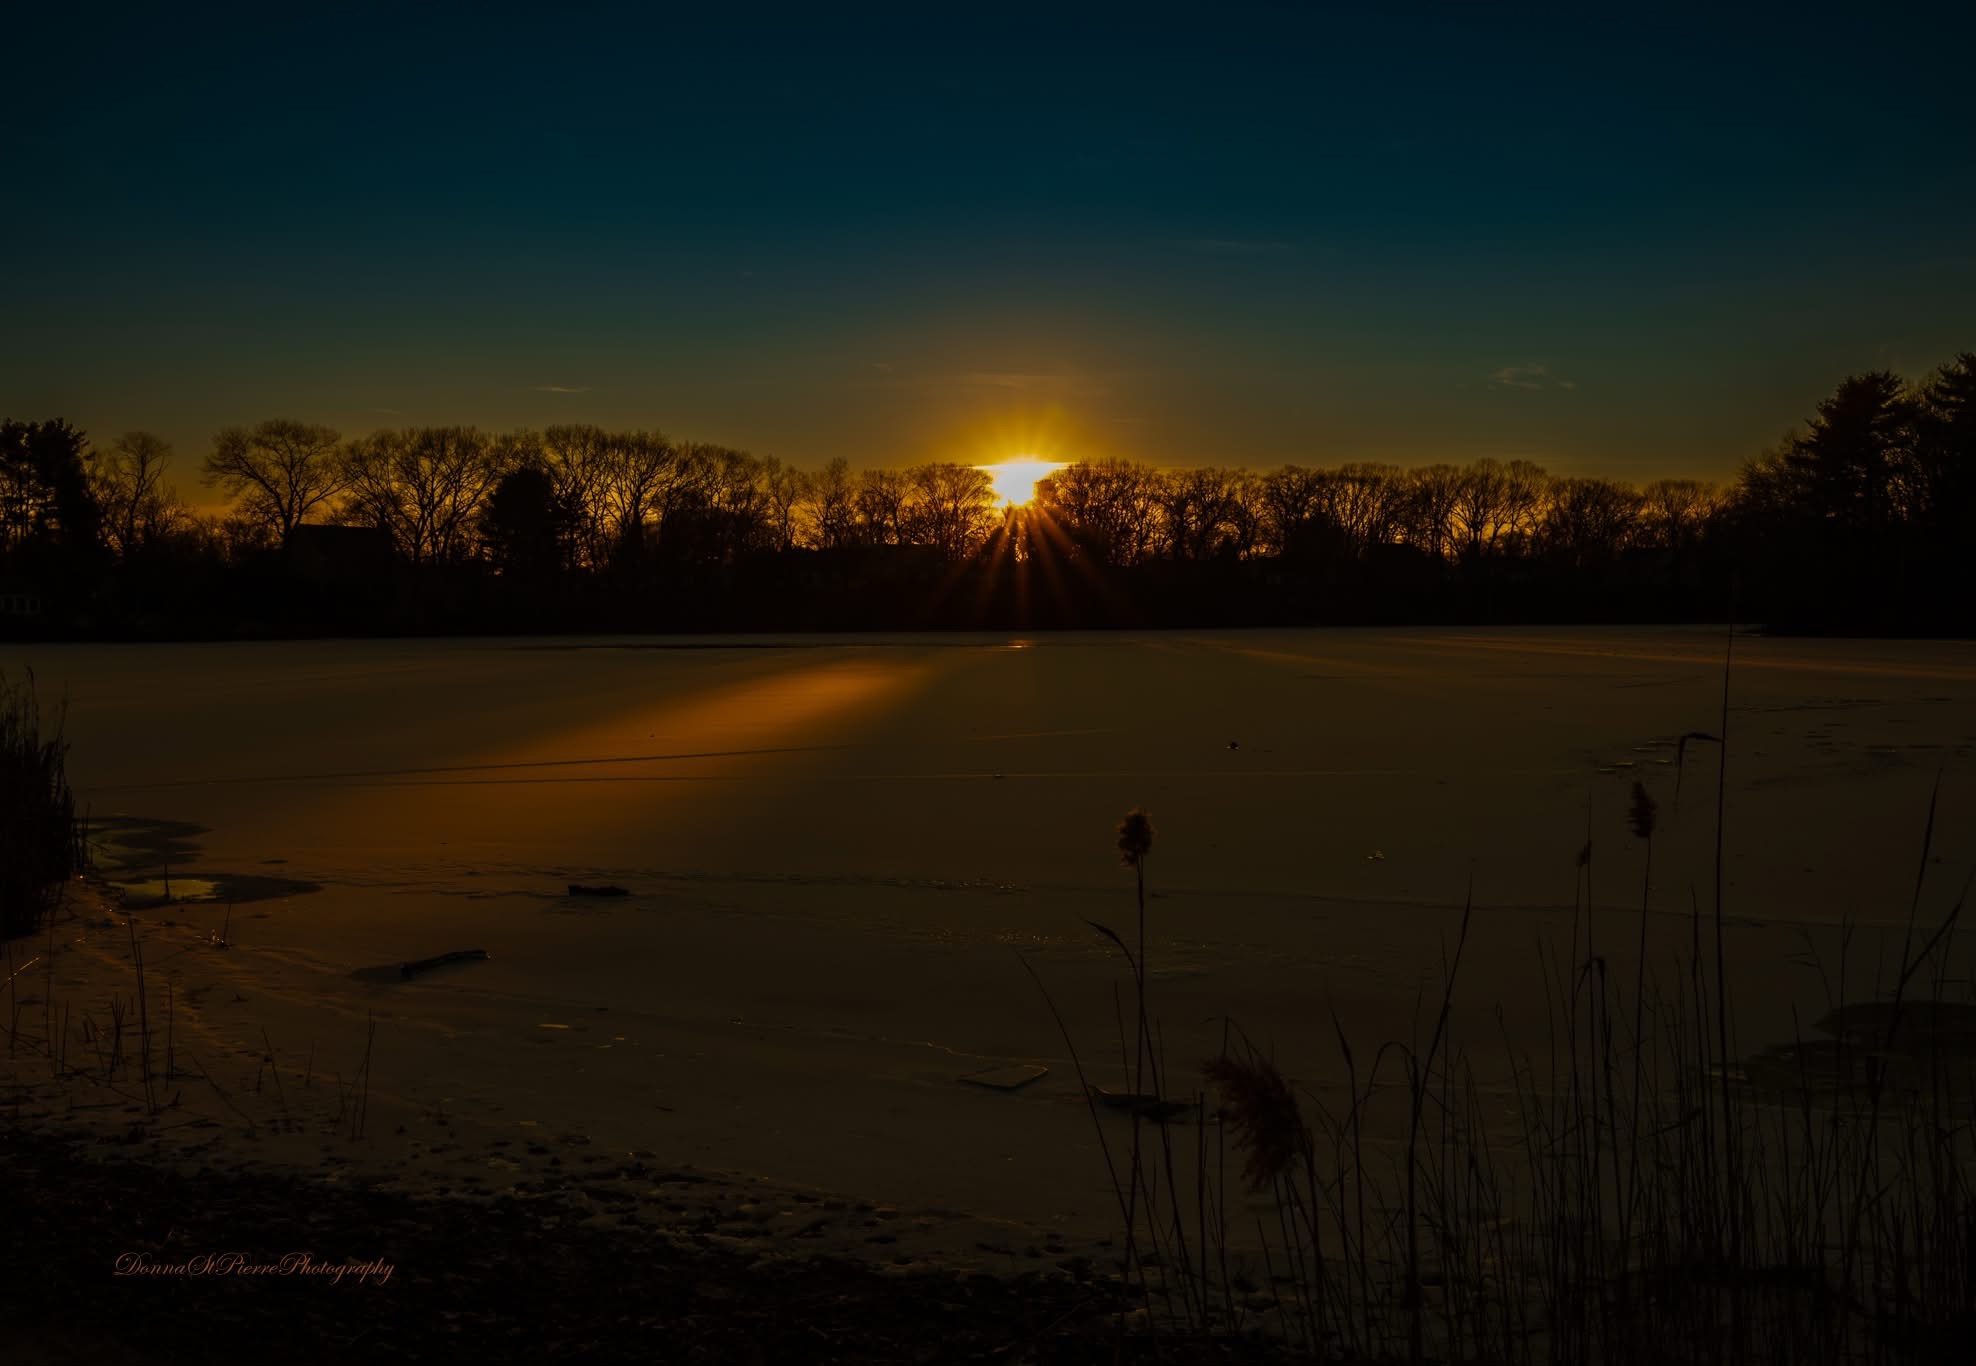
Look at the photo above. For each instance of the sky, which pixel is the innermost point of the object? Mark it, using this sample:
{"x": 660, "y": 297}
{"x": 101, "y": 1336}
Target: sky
{"x": 1640, "y": 244}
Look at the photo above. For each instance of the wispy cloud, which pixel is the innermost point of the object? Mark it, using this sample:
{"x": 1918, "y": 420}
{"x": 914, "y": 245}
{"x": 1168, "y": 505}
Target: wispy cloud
{"x": 562, "y": 388}
{"x": 1529, "y": 377}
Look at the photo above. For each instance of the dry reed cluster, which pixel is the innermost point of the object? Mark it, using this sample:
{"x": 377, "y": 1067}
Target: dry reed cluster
{"x": 1637, "y": 1192}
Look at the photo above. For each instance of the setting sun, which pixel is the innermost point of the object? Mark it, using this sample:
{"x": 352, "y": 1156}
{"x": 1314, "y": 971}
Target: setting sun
{"x": 1015, "y": 479}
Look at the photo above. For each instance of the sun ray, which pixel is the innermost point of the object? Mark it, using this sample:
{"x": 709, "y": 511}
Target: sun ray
{"x": 1014, "y": 479}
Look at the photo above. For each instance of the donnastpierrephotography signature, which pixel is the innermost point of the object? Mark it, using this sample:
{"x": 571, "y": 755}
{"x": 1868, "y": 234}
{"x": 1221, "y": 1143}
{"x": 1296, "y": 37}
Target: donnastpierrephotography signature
{"x": 241, "y": 1264}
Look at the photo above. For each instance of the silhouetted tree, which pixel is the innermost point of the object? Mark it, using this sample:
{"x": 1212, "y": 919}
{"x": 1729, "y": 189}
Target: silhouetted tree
{"x": 648, "y": 482}
{"x": 1944, "y": 491}
{"x": 1675, "y": 513}
{"x": 138, "y": 507}
{"x": 1370, "y": 504}
{"x": 829, "y": 506}
{"x": 881, "y": 507}
{"x": 1107, "y": 510}
{"x": 49, "y": 519}
{"x": 29, "y": 451}
{"x": 424, "y": 485}
{"x": 1944, "y": 457}
{"x": 530, "y": 528}
{"x": 734, "y": 490}
{"x": 45, "y": 498}
{"x": 785, "y": 488}
{"x": 577, "y": 460}
{"x": 1587, "y": 523}
{"x": 1432, "y": 496}
{"x": 278, "y": 472}
{"x": 1205, "y": 515}
{"x": 1851, "y": 466}
{"x": 243, "y": 539}
{"x": 1862, "y": 518}
{"x": 1296, "y": 517}
{"x": 1821, "y": 514}
{"x": 949, "y": 507}
{"x": 1495, "y": 507}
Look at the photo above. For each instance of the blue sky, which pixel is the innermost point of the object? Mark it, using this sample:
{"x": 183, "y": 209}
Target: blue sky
{"x": 1637, "y": 245}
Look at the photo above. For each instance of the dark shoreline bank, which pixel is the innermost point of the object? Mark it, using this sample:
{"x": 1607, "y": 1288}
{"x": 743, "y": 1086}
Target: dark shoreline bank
{"x": 507, "y": 1280}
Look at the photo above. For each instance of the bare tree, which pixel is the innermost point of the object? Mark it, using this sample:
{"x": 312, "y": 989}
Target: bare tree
{"x": 1588, "y": 522}
{"x": 645, "y": 479}
{"x": 1476, "y": 510}
{"x": 950, "y": 507}
{"x": 786, "y": 488}
{"x": 577, "y": 459}
{"x": 1245, "y": 519}
{"x": 882, "y": 497}
{"x": 1495, "y": 506}
{"x": 1525, "y": 486}
{"x": 1370, "y": 504}
{"x": 1108, "y": 509}
{"x": 1433, "y": 493}
{"x": 735, "y": 503}
{"x": 1205, "y": 516}
{"x": 426, "y": 486}
{"x": 1674, "y": 512}
{"x": 1295, "y": 506}
{"x": 278, "y": 471}
{"x": 830, "y": 506}
{"x": 138, "y": 506}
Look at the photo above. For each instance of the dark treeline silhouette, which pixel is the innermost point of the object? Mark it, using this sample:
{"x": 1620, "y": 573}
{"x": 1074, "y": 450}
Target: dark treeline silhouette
{"x": 1860, "y": 522}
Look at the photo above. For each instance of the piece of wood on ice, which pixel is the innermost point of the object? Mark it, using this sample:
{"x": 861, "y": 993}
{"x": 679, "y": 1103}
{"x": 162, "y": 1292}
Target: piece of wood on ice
{"x": 412, "y": 969}
{"x": 1012, "y": 1078}
{"x": 1148, "y": 1107}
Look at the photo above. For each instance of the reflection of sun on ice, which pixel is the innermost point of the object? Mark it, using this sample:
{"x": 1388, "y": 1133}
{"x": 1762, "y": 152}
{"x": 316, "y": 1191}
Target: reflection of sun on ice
{"x": 1015, "y": 479}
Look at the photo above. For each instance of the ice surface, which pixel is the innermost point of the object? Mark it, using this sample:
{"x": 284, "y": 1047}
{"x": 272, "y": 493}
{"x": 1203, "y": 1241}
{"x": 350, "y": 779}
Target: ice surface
{"x": 836, "y": 847}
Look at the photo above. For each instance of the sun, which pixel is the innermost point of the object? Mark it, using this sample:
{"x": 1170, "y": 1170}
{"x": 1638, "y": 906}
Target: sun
{"x": 1015, "y": 479}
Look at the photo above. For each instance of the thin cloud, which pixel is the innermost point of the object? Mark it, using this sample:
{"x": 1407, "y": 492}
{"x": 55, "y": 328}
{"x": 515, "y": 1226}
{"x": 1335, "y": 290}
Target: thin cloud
{"x": 1529, "y": 377}
{"x": 562, "y": 388}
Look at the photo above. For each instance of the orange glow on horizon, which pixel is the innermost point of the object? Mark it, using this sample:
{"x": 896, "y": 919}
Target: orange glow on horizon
{"x": 1014, "y": 479}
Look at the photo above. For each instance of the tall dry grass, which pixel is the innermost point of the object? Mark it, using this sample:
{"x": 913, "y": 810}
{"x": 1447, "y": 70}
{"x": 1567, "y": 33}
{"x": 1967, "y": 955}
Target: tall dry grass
{"x": 39, "y": 844}
{"x": 1637, "y": 1193}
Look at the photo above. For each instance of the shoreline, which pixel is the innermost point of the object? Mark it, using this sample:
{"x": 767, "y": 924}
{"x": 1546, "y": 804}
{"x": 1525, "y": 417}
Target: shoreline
{"x": 177, "y": 1061}
{"x": 491, "y": 1243}
{"x": 489, "y": 1286}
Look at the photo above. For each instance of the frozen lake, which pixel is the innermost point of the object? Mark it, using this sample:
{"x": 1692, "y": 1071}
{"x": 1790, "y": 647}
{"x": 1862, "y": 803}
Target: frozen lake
{"x": 835, "y": 848}
{"x": 1274, "y": 763}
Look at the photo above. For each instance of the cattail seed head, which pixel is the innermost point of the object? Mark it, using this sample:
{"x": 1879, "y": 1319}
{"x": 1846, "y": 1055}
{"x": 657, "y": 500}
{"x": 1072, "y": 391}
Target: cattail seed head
{"x": 1135, "y": 837}
{"x": 1645, "y": 812}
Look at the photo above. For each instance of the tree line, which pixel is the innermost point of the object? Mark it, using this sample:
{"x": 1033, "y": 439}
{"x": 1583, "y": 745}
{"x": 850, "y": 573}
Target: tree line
{"x": 1857, "y": 521}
